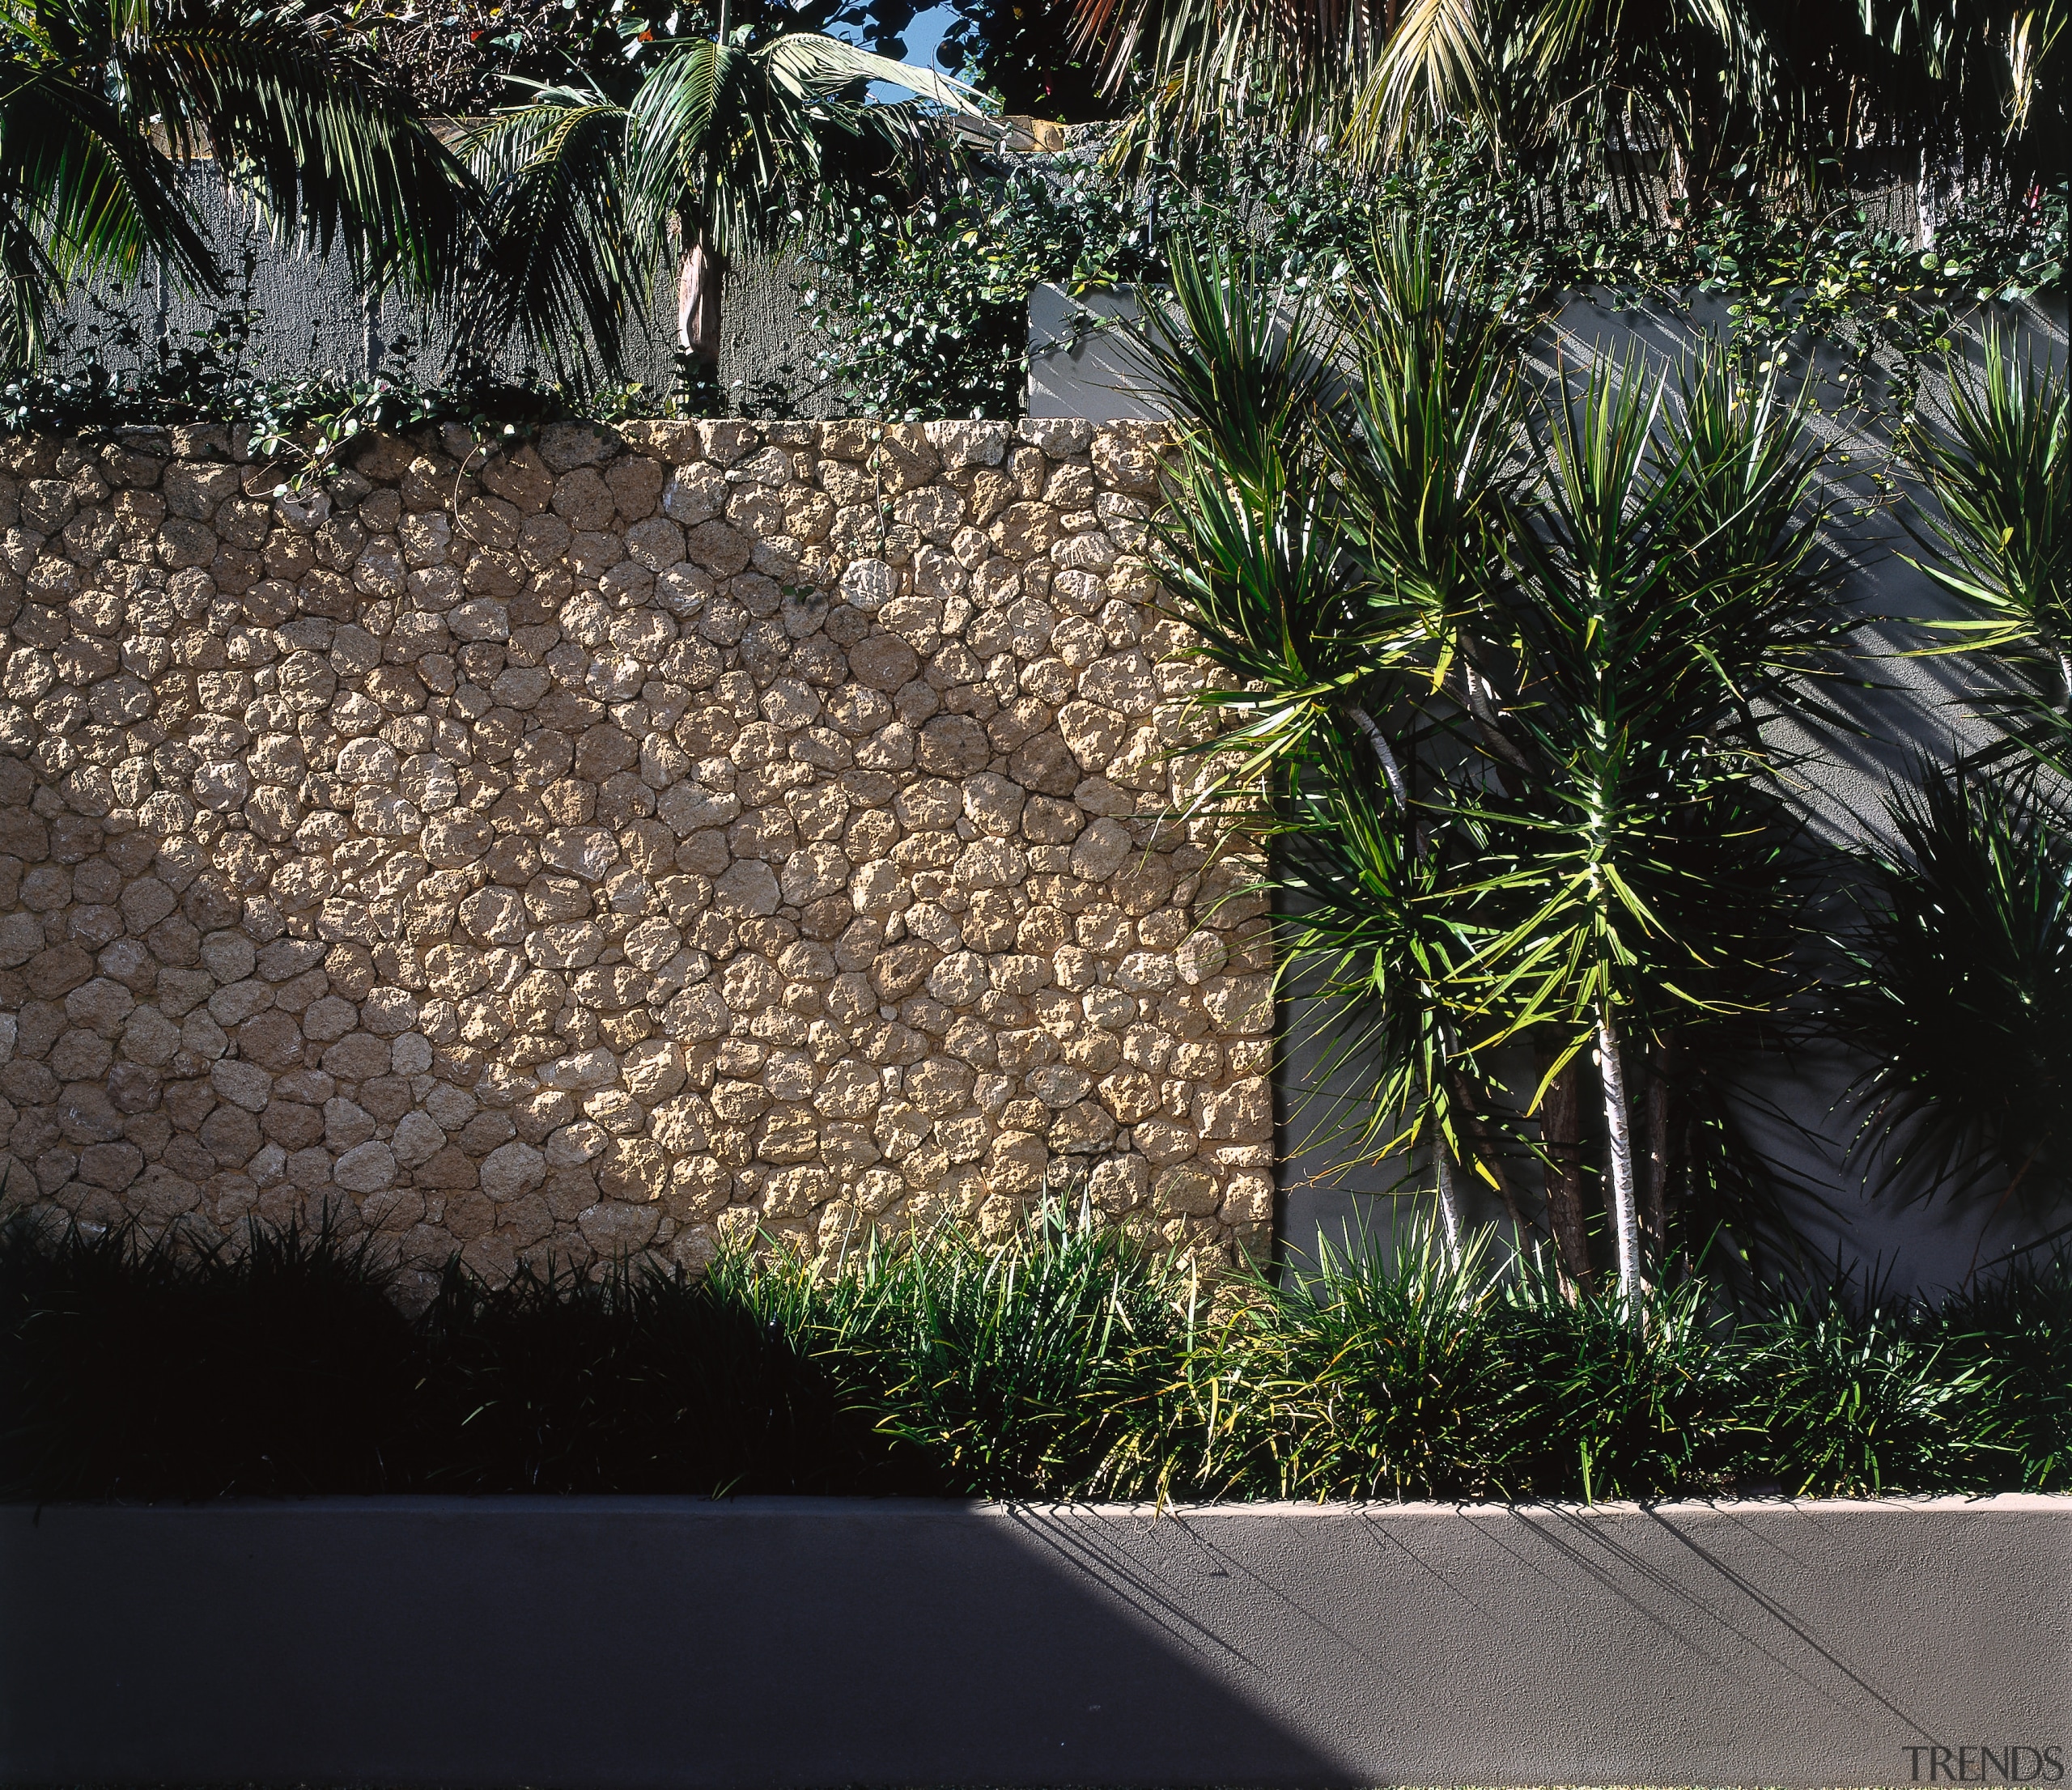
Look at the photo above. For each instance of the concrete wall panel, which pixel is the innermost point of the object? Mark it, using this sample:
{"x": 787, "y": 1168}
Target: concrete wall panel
{"x": 656, "y": 1642}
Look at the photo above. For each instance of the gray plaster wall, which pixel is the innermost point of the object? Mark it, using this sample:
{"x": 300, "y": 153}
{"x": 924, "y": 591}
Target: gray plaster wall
{"x": 1081, "y": 365}
{"x": 314, "y": 318}
{"x": 773, "y": 1642}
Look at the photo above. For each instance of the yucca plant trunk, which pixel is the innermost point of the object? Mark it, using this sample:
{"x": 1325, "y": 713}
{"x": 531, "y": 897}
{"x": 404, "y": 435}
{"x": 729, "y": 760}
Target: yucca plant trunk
{"x": 698, "y": 280}
{"x": 1391, "y": 767}
{"x": 1561, "y": 1144}
{"x": 1451, "y": 1219}
{"x": 1619, "y": 1154}
{"x": 1485, "y": 1154}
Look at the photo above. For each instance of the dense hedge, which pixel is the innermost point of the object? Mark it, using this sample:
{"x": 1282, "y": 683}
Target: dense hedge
{"x": 1062, "y": 1363}
{"x": 923, "y": 311}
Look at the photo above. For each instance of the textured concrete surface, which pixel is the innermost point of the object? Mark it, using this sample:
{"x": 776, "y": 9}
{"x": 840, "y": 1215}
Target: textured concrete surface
{"x": 773, "y": 1642}
{"x": 1080, "y": 363}
{"x": 650, "y": 837}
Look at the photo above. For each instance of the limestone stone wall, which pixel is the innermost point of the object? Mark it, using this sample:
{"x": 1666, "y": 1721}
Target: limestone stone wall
{"x": 608, "y": 845}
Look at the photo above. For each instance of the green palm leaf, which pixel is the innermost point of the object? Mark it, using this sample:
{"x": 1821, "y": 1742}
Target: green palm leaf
{"x": 314, "y": 137}
{"x": 104, "y": 113}
{"x": 557, "y": 268}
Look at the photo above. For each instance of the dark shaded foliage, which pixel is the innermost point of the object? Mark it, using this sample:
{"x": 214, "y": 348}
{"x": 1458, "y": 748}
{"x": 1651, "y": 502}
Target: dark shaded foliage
{"x": 1959, "y": 980}
{"x": 639, "y": 1381}
{"x": 130, "y": 1370}
{"x": 1064, "y": 1362}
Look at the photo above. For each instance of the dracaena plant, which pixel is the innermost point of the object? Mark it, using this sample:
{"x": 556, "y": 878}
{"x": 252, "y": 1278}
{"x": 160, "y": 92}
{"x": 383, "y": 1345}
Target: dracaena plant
{"x": 1383, "y": 937}
{"x": 1669, "y": 593}
{"x": 1256, "y": 543}
{"x": 1341, "y": 478}
{"x": 108, "y": 112}
{"x": 1998, "y": 464}
{"x": 1604, "y": 689}
{"x": 1536, "y": 808}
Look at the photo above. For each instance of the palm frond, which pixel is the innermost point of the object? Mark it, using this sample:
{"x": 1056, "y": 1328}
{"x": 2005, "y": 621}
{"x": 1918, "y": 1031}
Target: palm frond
{"x": 326, "y": 152}
{"x": 1433, "y": 68}
{"x": 560, "y": 267}
{"x": 85, "y": 195}
{"x": 105, "y": 113}
{"x": 818, "y": 64}
{"x": 1215, "y": 62}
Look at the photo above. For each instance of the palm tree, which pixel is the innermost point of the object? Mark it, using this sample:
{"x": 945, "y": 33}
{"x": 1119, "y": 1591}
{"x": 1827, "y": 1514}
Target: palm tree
{"x": 104, "y": 107}
{"x": 724, "y": 149}
{"x": 1768, "y": 86}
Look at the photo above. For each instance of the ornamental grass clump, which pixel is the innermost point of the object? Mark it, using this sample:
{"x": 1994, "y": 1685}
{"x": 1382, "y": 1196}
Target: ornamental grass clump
{"x": 1612, "y": 1398}
{"x": 2014, "y": 1333}
{"x": 1049, "y": 1364}
{"x": 640, "y": 1379}
{"x": 1379, "y": 1375}
{"x": 929, "y": 1364}
{"x": 1858, "y": 1395}
{"x": 1062, "y": 1361}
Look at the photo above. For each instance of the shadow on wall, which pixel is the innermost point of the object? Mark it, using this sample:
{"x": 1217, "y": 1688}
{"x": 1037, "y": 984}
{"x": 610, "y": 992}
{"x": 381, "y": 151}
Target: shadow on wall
{"x": 1915, "y": 710}
{"x": 666, "y": 1641}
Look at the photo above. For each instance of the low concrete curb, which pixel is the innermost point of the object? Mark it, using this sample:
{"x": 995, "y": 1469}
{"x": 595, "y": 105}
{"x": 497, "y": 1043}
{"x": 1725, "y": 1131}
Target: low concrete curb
{"x": 664, "y": 1642}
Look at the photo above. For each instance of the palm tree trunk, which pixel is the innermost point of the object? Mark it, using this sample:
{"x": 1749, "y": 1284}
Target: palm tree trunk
{"x": 698, "y": 281}
{"x": 1619, "y": 1155}
{"x": 1561, "y": 1141}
